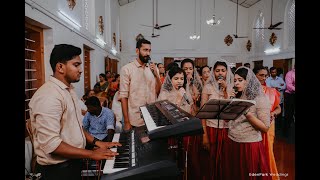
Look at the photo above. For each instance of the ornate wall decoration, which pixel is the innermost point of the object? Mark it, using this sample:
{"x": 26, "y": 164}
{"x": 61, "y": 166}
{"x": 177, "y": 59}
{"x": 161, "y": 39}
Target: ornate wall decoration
{"x": 114, "y": 39}
{"x": 249, "y": 45}
{"x": 71, "y": 4}
{"x": 228, "y": 40}
{"x": 139, "y": 36}
{"x": 273, "y": 39}
{"x": 101, "y": 26}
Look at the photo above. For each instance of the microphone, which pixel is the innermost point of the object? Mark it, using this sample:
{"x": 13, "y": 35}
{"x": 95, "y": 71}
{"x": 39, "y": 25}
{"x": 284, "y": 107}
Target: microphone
{"x": 219, "y": 78}
{"x": 191, "y": 81}
{"x": 149, "y": 61}
{"x": 235, "y": 90}
{"x": 185, "y": 96}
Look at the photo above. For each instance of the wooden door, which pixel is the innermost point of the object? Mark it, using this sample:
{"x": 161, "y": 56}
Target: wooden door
{"x": 114, "y": 68}
{"x": 167, "y": 60}
{"x": 283, "y": 64}
{"x": 34, "y": 64}
{"x": 111, "y": 65}
{"x": 200, "y": 61}
{"x": 238, "y": 64}
{"x": 86, "y": 69}
{"x": 107, "y": 64}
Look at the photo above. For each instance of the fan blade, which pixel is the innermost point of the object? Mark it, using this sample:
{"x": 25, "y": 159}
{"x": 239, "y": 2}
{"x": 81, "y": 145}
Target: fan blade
{"x": 164, "y": 25}
{"x": 236, "y": 36}
{"x": 145, "y": 25}
{"x": 274, "y": 28}
{"x": 275, "y": 25}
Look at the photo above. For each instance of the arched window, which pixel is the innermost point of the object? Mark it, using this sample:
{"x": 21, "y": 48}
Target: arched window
{"x": 290, "y": 12}
{"x": 259, "y": 36}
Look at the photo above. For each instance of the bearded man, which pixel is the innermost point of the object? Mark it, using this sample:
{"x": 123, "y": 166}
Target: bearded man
{"x": 139, "y": 85}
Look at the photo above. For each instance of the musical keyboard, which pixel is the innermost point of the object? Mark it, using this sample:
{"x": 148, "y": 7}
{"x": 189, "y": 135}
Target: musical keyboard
{"x": 164, "y": 119}
{"x": 139, "y": 158}
{"x": 126, "y": 155}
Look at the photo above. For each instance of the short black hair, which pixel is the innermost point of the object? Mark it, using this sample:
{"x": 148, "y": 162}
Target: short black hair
{"x": 142, "y": 41}
{"x": 62, "y": 53}
{"x": 233, "y": 69}
{"x": 103, "y": 75}
{"x": 242, "y": 72}
{"x": 220, "y": 63}
{"x": 246, "y": 64}
{"x": 175, "y": 70}
{"x": 273, "y": 68}
{"x": 158, "y": 64}
{"x": 187, "y": 60}
{"x": 257, "y": 69}
{"x": 172, "y": 64}
{"x": 201, "y": 69}
{"x": 93, "y": 101}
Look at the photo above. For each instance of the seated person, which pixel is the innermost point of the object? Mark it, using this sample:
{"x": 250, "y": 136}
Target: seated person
{"x": 98, "y": 121}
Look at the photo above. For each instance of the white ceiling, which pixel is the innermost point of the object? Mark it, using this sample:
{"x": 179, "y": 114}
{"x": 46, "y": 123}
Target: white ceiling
{"x": 123, "y": 2}
{"x": 244, "y": 3}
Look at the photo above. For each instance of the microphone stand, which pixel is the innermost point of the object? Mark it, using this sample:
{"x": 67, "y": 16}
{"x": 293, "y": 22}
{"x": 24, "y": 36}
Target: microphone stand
{"x": 178, "y": 156}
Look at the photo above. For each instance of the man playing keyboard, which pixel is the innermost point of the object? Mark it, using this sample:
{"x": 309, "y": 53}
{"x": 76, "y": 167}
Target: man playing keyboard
{"x": 59, "y": 139}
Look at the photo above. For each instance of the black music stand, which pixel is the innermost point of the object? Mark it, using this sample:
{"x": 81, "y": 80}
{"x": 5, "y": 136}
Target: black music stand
{"x": 225, "y": 109}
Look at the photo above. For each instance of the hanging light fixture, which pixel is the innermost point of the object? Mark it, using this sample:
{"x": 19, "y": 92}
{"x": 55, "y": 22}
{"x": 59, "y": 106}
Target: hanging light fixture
{"x": 195, "y": 36}
{"x": 213, "y": 21}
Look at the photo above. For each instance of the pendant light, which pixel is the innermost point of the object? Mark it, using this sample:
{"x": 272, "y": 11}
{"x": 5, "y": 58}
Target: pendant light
{"x": 213, "y": 21}
{"x": 195, "y": 36}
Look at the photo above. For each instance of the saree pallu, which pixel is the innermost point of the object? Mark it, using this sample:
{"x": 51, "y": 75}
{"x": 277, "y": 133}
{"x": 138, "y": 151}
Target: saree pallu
{"x": 268, "y": 138}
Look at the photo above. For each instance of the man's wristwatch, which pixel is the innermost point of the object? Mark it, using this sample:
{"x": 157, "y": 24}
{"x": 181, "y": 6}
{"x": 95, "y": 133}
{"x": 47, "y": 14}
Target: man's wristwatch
{"x": 95, "y": 140}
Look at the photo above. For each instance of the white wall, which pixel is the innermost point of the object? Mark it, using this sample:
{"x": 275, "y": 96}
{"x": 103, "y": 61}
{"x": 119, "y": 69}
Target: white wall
{"x": 279, "y": 10}
{"x": 115, "y": 18}
{"x": 174, "y": 40}
{"x": 58, "y": 31}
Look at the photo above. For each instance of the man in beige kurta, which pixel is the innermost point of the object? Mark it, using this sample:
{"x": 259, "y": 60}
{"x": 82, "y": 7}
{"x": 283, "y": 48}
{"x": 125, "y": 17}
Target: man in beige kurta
{"x": 139, "y": 85}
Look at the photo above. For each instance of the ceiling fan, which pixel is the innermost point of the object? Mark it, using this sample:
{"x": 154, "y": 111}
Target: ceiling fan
{"x": 153, "y": 35}
{"x": 236, "y": 35}
{"x": 272, "y": 26}
{"x": 156, "y": 26}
